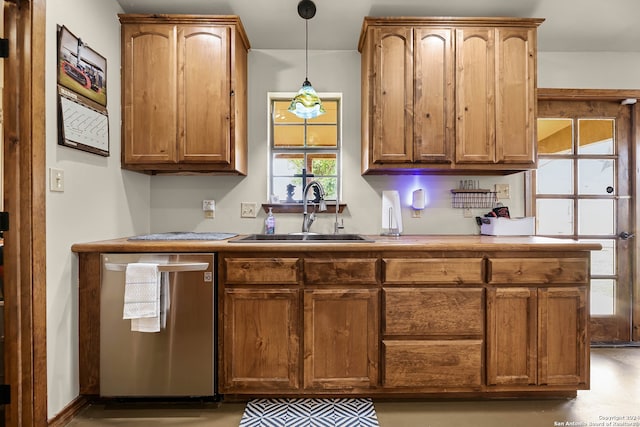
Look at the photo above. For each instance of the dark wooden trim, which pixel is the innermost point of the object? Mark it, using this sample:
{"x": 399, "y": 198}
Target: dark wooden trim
{"x": 25, "y": 249}
{"x": 12, "y": 327}
{"x": 37, "y": 207}
{"x": 69, "y": 411}
{"x": 635, "y": 208}
{"x": 551, "y": 94}
{"x": 89, "y": 323}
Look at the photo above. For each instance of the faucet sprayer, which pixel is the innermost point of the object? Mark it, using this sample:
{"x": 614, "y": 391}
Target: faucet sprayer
{"x": 308, "y": 219}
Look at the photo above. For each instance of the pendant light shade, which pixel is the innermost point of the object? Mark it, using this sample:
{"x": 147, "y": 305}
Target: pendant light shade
{"x": 306, "y": 104}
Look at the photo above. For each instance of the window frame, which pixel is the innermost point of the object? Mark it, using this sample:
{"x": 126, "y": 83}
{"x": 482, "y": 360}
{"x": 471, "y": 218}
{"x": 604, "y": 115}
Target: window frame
{"x": 272, "y": 97}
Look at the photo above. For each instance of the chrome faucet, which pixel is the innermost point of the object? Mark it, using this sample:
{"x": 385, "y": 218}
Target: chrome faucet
{"x": 308, "y": 218}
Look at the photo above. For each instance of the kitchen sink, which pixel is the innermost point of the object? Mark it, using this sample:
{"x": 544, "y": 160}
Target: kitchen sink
{"x": 302, "y": 238}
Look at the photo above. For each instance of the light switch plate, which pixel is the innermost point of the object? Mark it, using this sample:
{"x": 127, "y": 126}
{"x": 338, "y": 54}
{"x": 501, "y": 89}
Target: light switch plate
{"x": 248, "y": 210}
{"x": 503, "y": 191}
{"x": 56, "y": 180}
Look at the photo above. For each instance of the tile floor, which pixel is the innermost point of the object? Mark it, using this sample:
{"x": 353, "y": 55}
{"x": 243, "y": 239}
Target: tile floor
{"x": 614, "y": 396}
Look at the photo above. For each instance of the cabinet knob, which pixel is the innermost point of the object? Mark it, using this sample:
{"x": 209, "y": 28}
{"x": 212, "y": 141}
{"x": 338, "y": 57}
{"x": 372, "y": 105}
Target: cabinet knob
{"x": 232, "y": 93}
{"x": 428, "y": 115}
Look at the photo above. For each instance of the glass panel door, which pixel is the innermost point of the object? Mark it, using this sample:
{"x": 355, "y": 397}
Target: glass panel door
{"x": 582, "y": 192}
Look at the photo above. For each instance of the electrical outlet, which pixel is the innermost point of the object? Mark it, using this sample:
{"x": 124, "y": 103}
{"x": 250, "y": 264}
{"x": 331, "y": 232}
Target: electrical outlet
{"x": 209, "y": 208}
{"x": 466, "y": 212}
{"x": 248, "y": 210}
{"x": 416, "y": 213}
{"x": 503, "y": 191}
{"x": 208, "y": 205}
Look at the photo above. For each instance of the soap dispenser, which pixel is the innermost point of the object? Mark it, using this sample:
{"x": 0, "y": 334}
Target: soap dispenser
{"x": 270, "y": 223}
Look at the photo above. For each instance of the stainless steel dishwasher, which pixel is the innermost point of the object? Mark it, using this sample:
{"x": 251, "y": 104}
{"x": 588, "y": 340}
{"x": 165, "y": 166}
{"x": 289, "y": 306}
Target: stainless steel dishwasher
{"x": 178, "y": 361}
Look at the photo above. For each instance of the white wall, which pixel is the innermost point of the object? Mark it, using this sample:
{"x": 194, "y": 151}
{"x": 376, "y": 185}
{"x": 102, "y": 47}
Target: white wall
{"x": 589, "y": 70}
{"x": 176, "y": 201}
{"x": 100, "y": 200}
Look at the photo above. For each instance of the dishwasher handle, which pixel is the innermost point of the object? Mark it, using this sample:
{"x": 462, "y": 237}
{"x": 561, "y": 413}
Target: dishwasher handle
{"x": 169, "y": 267}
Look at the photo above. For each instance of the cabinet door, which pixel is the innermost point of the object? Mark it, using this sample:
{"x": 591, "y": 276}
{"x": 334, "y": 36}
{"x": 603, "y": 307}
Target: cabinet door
{"x": 537, "y": 336}
{"x": 511, "y": 336}
{"x": 260, "y": 340}
{"x": 475, "y": 95}
{"x": 434, "y": 100}
{"x": 392, "y": 121}
{"x": 515, "y": 95}
{"x": 563, "y": 337}
{"x": 204, "y": 92}
{"x": 149, "y": 93}
{"x": 341, "y": 338}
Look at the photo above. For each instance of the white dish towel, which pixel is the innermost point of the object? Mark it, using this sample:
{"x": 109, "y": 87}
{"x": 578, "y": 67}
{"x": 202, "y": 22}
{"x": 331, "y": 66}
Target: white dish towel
{"x": 142, "y": 294}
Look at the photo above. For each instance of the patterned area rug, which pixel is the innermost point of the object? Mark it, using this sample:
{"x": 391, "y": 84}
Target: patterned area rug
{"x": 309, "y": 413}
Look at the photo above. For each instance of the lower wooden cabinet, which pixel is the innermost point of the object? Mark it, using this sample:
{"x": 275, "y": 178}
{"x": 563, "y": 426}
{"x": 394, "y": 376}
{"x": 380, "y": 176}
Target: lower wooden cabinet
{"x": 341, "y": 338}
{"x": 261, "y": 334}
{"x": 324, "y": 324}
{"x": 433, "y": 338}
{"x": 512, "y": 333}
{"x": 270, "y": 304}
{"x": 537, "y": 323}
{"x": 563, "y": 343}
{"x": 432, "y": 364}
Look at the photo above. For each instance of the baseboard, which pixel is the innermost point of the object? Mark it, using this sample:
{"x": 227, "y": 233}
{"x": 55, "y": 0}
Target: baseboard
{"x": 69, "y": 411}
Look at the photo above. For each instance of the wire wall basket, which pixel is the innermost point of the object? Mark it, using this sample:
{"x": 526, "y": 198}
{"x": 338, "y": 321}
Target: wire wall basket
{"x": 476, "y": 198}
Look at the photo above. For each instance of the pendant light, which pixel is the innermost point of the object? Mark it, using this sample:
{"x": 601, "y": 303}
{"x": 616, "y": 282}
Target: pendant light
{"x": 306, "y": 104}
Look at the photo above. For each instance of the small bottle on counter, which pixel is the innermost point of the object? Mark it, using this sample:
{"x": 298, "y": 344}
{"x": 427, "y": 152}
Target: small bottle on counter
{"x": 270, "y": 223}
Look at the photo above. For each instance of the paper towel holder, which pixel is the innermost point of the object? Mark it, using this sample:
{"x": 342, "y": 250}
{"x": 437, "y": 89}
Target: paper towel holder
{"x": 391, "y": 230}
{"x": 391, "y": 213}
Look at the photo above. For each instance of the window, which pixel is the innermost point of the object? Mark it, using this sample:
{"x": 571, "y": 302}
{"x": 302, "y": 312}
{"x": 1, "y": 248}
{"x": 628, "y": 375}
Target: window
{"x": 301, "y": 151}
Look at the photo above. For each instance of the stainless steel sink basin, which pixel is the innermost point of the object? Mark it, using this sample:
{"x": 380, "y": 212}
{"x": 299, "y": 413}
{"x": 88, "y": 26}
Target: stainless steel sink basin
{"x": 302, "y": 238}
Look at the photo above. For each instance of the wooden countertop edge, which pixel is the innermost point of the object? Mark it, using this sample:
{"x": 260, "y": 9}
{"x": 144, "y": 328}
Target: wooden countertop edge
{"x": 381, "y": 243}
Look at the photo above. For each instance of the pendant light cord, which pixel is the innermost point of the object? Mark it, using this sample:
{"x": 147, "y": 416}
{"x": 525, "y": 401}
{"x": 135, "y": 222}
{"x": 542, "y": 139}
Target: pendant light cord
{"x": 306, "y": 50}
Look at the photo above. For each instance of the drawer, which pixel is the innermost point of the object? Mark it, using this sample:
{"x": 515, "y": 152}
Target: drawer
{"x": 340, "y": 271}
{"x": 261, "y": 270}
{"x": 433, "y": 270}
{"x": 538, "y": 270}
{"x": 420, "y": 311}
{"x": 432, "y": 364}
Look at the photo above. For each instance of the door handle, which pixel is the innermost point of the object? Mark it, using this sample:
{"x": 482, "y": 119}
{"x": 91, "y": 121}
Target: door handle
{"x": 625, "y": 236}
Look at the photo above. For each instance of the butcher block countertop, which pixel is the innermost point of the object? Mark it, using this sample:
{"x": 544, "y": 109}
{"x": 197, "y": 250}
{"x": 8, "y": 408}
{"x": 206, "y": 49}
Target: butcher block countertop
{"x": 380, "y": 243}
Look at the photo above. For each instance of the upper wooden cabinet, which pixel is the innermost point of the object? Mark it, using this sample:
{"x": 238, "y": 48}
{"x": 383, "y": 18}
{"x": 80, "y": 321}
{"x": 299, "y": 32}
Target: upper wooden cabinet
{"x": 444, "y": 94}
{"x": 184, "y": 93}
